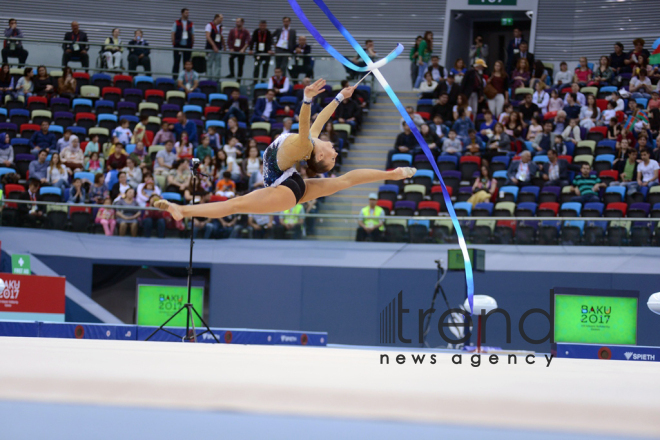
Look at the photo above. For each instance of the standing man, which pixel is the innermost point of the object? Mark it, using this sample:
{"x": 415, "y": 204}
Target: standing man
{"x": 76, "y": 50}
{"x": 524, "y": 53}
{"x": 238, "y": 42}
{"x": 261, "y": 45}
{"x": 215, "y": 42}
{"x": 139, "y": 56}
{"x": 183, "y": 36}
{"x": 13, "y": 46}
{"x": 371, "y": 221}
{"x": 302, "y": 64}
{"x": 473, "y": 84}
{"x": 285, "y": 40}
{"x": 513, "y": 49}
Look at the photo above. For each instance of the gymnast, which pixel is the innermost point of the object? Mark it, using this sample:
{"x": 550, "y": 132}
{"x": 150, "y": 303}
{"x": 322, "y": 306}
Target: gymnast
{"x": 284, "y": 187}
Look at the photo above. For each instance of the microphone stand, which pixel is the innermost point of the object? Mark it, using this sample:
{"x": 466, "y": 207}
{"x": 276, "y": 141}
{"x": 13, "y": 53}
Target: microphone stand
{"x": 188, "y": 306}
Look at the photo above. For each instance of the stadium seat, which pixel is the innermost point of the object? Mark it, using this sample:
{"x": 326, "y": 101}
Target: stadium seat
{"x": 19, "y": 116}
{"x": 421, "y": 162}
{"x": 437, "y": 195}
{"x": 526, "y": 232}
{"x": 482, "y": 231}
{"x": 593, "y": 209}
{"x": 616, "y": 209}
{"x": 585, "y": 147}
{"x": 504, "y": 230}
{"x": 208, "y": 87}
{"x": 90, "y": 92}
{"x": 396, "y": 230}
{"x": 463, "y": 209}
{"x": 617, "y": 233}
{"x": 401, "y": 160}
{"x": 540, "y": 159}
{"x": 81, "y": 105}
{"x": 606, "y": 91}
{"x": 447, "y": 163}
{"x": 547, "y": 209}
{"x": 597, "y": 133}
{"x": 504, "y": 209}
{"x": 655, "y": 212}
{"x": 464, "y": 193}
{"x": 107, "y": 121}
{"x": 172, "y": 197}
{"x": 165, "y": 84}
{"x": 424, "y": 105}
{"x": 525, "y": 209}
{"x": 218, "y": 99}
{"x": 143, "y": 82}
{"x": 27, "y": 130}
{"x": 387, "y": 206}
{"x": 405, "y": 208}
{"x": 428, "y": 208}
{"x": 133, "y": 95}
{"x": 155, "y": 96}
{"x": 424, "y": 177}
{"x": 639, "y": 210}
{"x": 608, "y": 176}
{"x": 123, "y": 82}
{"x": 175, "y": 97}
{"x": 102, "y": 132}
{"x": 589, "y": 91}
{"x": 508, "y": 194}
{"x": 603, "y": 162}
{"x": 571, "y": 232}
{"x": 548, "y": 232}
{"x": 418, "y": 230}
{"x": 193, "y": 111}
{"x": 37, "y": 103}
{"x": 642, "y": 102}
{"x": 583, "y": 158}
{"x": 414, "y": 192}
{"x": 520, "y": 93}
{"x": 452, "y": 179}
{"x": 263, "y": 129}
{"x": 499, "y": 163}
{"x": 614, "y": 194}
{"x": 484, "y": 209}
{"x": 528, "y": 194}
{"x": 501, "y": 177}
{"x": 388, "y": 192}
{"x": 85, "y": 175}
{"x": 570, "y": 209}
{"x": 104, "y": 106}
{"x": 86, "y": 120}
{"x": 101, "y": 80}
{"x": 653, "y": 196}
{"x": 468, "y": 165}
{"x": 606, "y": 146}
{"x": 198, "y": 99}
{"x": 226, "y": 87}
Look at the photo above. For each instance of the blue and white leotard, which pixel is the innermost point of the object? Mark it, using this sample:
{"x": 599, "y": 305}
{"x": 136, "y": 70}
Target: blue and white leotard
{"x": 273, "y": 176}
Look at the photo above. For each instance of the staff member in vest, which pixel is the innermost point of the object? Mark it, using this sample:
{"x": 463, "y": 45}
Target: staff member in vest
{"x": 285, "y": 40}
{"x": 75, "y": 50}
{"x": 112, "y": 51}
{"x": 371, "y": 221}
{"x": 139, "y": 56}
{"x": 183, "y": 36}
{"x": 238, "y": 42}
{"x": 294, "y": 223}
{"x": 302, "y": 64}
{"x": 279, "y": 83}
{"x": 260, "y": 45}
{"x": 13, "y": 46}
{"x": 216, "y": 43}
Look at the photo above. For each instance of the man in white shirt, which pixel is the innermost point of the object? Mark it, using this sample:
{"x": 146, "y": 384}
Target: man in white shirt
{"x": 581, "y": 99}
{"x": 647, "y": 170}
{"x": 216, "y": 43}
{"x": 279, "y": 82}
{"x": 285, "y": 40}
{"x": 416, "y": 118}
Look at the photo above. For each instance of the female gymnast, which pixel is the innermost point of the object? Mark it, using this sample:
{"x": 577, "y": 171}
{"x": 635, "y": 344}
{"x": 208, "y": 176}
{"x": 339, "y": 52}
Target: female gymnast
{"x": 284, "y": 187}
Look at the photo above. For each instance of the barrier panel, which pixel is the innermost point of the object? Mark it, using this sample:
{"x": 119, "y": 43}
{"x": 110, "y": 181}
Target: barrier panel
{"x": 32, "y": 298}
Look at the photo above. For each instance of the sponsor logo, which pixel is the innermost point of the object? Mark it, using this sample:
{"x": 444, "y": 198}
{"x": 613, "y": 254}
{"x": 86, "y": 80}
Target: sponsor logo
{"x": 628, "y": 354}
{"x": 10, "y": 292}
{"x": 128, "y": 334}
{"x": 284, "y": 338}
{"x": 639, "y": 356}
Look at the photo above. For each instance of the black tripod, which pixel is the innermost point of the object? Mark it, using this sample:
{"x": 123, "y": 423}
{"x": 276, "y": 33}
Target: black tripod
{"x": 188, "y": 306}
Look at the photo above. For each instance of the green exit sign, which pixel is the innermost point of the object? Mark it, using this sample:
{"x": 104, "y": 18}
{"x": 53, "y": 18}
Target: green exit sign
{"x": 507, "y": 21}
{"x": 493, "y": 2}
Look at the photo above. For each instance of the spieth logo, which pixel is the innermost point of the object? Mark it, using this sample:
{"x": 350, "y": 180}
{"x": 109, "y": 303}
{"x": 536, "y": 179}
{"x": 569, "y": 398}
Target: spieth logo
{"x": 639, "y": 356}
{"x": 288, "y": 338}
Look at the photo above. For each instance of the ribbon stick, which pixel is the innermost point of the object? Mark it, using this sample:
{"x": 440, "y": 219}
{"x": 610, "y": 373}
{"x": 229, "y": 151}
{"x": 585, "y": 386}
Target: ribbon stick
{"x": 373, "y": 67}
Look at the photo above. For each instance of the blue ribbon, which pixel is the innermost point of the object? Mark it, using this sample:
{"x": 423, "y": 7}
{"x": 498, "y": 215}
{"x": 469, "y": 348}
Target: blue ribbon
{"x": 373, "y": 67}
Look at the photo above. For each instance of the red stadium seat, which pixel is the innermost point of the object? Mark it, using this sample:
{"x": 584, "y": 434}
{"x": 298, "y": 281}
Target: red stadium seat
{"x": 215, "y": 198}
{"x": 568, "y": 159}
{"x": 84, "y": 115}
{"x": 427, "y": 204}
{"x": 602, "y": 104}
{"x": 425, "y": 115}
{"x": 386, "y": 205}
{"x": 37, "y": 103}
{"x": 30, "y": 127}
{"x": 617, "y": 206}
{"x": 549, "y": 116}
{"x": 549, "y": 206}
{"x": 475, "y": 159}
{"x": 601, "y": 129}
{"x": 83, "y": 145}
{"x": 73, "y": 209}
{"x": 170, "y": 120}
{"x": 614, "y": 174}
{"x": 438, "y": 188}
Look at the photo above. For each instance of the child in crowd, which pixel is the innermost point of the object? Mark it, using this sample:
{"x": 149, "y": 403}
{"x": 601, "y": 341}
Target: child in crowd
{"x": 609, "y": 114}
{"x": 556, "y": 103}
{"x": 559, "y": 146}
{"x": 139, "y": 134}
{"x": 535, "y": 128}
{"x": 106, "y": 217}
{"x": 94, "y": 163}
{"x": 504, "y": 116}
{"x": 204, "y": 150}
{"x": 233, "y": 148}
{"x": 184, "y": 148}
{"x": 207, "y": 168}
{"x": 214, "y": 138}
{"x": 452, "y": 146}
{"x": 122, "y": 132}
{"x": 225, "y": 186}
{"x": 92, "y": 145}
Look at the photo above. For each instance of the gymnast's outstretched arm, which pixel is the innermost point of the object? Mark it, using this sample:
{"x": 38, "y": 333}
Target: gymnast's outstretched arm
{"x": 328, "y": 111}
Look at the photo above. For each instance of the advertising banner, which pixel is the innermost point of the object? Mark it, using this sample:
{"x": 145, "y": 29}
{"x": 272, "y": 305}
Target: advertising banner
{"x": 32, "y": 298}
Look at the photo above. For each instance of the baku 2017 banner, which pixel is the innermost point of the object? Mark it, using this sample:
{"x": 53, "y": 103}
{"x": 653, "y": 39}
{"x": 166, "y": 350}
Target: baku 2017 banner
{"x": 32, "y": 298}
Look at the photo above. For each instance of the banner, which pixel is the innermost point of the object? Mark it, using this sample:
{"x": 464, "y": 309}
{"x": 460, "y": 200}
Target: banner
{"x": 32, "y": 298}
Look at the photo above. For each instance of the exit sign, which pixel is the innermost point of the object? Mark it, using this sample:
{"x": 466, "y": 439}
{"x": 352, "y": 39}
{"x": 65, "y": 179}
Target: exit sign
{"x": 493, "y": 2}
{"x": 507, "y": 21}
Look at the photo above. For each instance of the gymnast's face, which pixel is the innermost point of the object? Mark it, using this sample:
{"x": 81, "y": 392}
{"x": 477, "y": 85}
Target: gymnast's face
{"x": 325, "y": 154}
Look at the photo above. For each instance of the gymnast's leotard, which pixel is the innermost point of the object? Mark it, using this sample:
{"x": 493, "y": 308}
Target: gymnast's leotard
{"x": 273, "y": 176}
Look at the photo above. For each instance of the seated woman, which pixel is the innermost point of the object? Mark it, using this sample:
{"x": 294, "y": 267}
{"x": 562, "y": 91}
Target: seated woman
{"x": 285, "y": 188}
{"x": 520, "y": 76}
{"x": 6, "y": 151}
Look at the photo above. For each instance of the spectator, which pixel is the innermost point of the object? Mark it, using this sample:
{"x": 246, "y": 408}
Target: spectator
{"x": 462, "y": 125}
{"x": 6, "y": 151}
{"x": 12, "y": 46}
{"x": 458, "y": 70}
{"x": 487, "y": 127}
{"x": 654, "y": 102}
{"x": 66, "y": 84}
{"x": 462, "y": 103}
{"x": 118, "y": 158}
{"x": 288, "y": 126}
{"x": 153, "y": 218}
{"x": 64, "y": 141}
{"x": 98, "y": 191}
{"x": 640, "y": 85}
{"x": 188, "y": 80}
{"x": 435, "y": 69}
{"x": 133, "y": 173}
{"x": 140, "y": 131}
{"x": 522, "y": 171}
{"x": 452, "y": 146}
{"x": 555, "y": 103}
{"x": 183, "y": 37}
{"x": 627, "y": 168}
{"x": 499, "y": 82}
{"x": 473, "y": 84}
{"x": 478, "y": 50}
{"x": 484, "y": 186}
{"x": 404, "y": 143}
{"x": 76, "y": 50}
{"x": 266, "y": 107}
{"x": 184, "y": 124}
{"x": 94, "y": 163}
{"x": 539, "y": 74}
{"x": 499, "y": 144}
{"x": 279, "y": 83}
{"x": 579, "y": 96}
{"x": 7, "y": 86}
{"x": 178, "y": 179}
{"x": 119, "y": 189}
{"x": 235, "y": 107}
{"x": 586, "y": 186}
{"x": 139, "y": 56}
{"x": 541, "y": 98}
{"x": 633, "y": 59}
{"x": 524, "y": 54}
{"x": 108, "y": 147}
{"x": 555, "y": 171}
{"x": 293, "y": 220}
{"x": 165, "y": 159}
{"x": 543, "y": 141}
{"x": 32, "y": 215}
{"x": 520, "y": 76}
{"x": 423, "y": 56}
{"x": 77, "y": 195}
{"x": 251, "y": 164}
{"x": 372, "y": 219}
{"x": 583, "y": 73}
{"x": 146, "y": 189}
{"x": 613, "y": 128}
{"x": 439, "y": 128}
{"x": 443, "y": 108}
{"x": 44, "y": 85}
{"x": 618, "y": 59}
{"x": 474, "y": 144}
{"x": 513, "y": 127}
{"x": 73, "y": 156}
{"x": 215, "y": 42}
{"x": 513, "y": 49}
{"x": 414, "y": 56}
{"x": 433, "y": 141}
{"x": 225, "y": 186}
{"x": 233, "y": 149}
{"x": 558, "y": 145}
{"x": 285, "y": 40}
{"x": 261, "y": 46}
{"x": 589, "y": 114}
{"x": 234, "y": 131}
{"x": 303, "y": 60}
{"x": 43, "y": 139}
{"x": 572, "y": 108}
{"x": 348, "y": 112}
{"x": 560, "y": 122}
{"x": 39, "y": 167}
{"x": 261, "y": 225}
{"x": 204, "y": 150}
{"x": 528, "y": 108}
{"x": 563, "y": 77}
{"x": 572, "y": 132}
{"x": 184, "y": 148}
{"x": 25, "y": 85}
{"x": 257, "y": 178}
{"x": 238, "y": 42}
{"x": 112, "y": 51}
{"x": 164, "y": 134}
{"x": 207, "y": 168}
{"x": 126, "y": 217}
{"x": 603, "y": 74}
{"x": 122, "y": 132}
{"x": 647, "y": 170}
{"x": 450, "y": 88}
{"x": 57, "y": 174}
{"x": 535, "y": 128}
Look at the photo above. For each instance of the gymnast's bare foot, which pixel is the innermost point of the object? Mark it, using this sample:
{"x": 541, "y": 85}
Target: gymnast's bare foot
{"x": 404, "y": 173}
{"x": 172, "y": 208}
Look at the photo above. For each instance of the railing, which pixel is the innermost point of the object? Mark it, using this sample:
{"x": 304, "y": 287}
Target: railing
{"x": 624, "y": 223}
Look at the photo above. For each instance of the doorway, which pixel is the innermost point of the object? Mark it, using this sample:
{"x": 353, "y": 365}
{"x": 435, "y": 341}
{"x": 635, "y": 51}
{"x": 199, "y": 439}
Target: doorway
{"x": 497, "y": 37}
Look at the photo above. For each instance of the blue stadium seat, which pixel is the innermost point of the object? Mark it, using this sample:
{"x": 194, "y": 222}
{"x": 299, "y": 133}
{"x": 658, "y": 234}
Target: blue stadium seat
{"x": 4, "y": 171}
{"x": 513, "y": 190}
{"x": 570, "y": 209}
{"x": 541, "y": 159}
{"x": 612, "y": 191}
{"x": 82, "y": 101}
{"x": 288, "y": 100}
{"x": 484, "y": 209}
{"x": 526, "y": 209}
{"x": 56, "y": 129}
{"x": 172, "y": 196}
{"x": 528, "y": 194}
{"x": 220, "y": 97}
{"x": 500, "y": 174}
{"x": 84, "y": 175}
{"x": 642, "y": 102}
{"x": 130, "y": 148}
{"x": 106, "y": 117}
{"x": 463, "y": 208}
{"x": 401, "y": 157}
{"x": 215, "y": 124}
{"x": 593, "y": 209}
{"x": 502, "y": 163}
{"x": 50, "y": 190}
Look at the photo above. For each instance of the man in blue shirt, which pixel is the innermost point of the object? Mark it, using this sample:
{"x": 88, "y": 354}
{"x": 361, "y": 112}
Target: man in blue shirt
{"x": 572, "y": 108}
{"x": 185, "y": 125}
{"x": 43, "y": 140}
{"x": 39, "y": 168}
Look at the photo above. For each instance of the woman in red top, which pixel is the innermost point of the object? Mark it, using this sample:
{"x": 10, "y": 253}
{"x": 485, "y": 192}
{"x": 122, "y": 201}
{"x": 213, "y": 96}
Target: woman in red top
{"x": 499, "y": 81}
{"x": 583, "y": 73}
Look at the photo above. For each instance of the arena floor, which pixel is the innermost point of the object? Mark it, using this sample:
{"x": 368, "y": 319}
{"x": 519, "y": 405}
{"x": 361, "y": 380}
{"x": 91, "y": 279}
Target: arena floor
{"x": 62, "y": 388}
